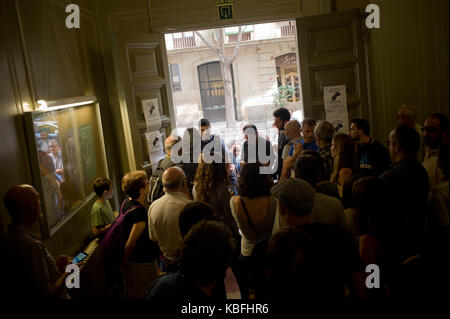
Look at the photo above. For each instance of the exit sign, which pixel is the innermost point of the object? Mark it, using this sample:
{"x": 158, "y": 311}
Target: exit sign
{"x": 225, "y": 12}
{"x": 225, "y": 9}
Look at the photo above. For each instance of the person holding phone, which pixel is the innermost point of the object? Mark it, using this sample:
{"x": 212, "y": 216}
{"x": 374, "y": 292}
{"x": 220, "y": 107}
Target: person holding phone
{"x": 29, "y": 270}
{"x": 78, "y": 259}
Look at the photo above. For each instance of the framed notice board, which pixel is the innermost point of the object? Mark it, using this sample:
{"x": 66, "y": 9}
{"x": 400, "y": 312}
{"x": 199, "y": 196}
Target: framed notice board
{"x": 67, "y": 153}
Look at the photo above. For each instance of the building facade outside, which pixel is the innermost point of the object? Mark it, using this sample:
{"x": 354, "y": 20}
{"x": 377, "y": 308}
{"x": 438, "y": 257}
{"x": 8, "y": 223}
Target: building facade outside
{"x": 267, "y": 59}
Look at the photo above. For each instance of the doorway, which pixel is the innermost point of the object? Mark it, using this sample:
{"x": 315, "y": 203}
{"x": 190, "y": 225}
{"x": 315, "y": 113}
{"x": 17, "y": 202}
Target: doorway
{"x": 197, "y": 81}
{"x": 212, "y": 91}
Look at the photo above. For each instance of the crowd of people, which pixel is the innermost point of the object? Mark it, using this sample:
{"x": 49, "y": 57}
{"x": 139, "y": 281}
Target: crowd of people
{"x": 334, "y": 204}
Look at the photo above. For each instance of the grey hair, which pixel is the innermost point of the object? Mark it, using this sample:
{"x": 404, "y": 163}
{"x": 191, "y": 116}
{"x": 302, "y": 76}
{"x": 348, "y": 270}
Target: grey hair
{"x": 324, "y": 130}
{"x": 410, "y": 111}
{"x": 175, "y": 139}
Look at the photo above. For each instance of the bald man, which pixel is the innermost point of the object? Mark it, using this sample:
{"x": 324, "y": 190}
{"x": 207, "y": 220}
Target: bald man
{"x": 163, "y": 213}
{"x": 292, "y": 149}
{"x": 30, "y": 271}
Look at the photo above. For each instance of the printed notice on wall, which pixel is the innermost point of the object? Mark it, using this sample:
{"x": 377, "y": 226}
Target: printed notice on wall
{"x": 335, "y": 102}
{"x": 151, "y": 114}
{"x": 155, "y": 147}
{"x": 154, "y": 141}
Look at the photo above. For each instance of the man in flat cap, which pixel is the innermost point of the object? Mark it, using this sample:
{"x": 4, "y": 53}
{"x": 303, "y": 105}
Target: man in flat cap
{"x": 335, "y": 255}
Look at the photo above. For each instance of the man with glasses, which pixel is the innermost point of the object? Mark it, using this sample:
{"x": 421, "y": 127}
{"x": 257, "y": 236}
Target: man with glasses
{"x": 406, "y": 185}
{"x": 406, "y": 115}
{"x": 436, "y": 164}
{"x": 435, "y": 134}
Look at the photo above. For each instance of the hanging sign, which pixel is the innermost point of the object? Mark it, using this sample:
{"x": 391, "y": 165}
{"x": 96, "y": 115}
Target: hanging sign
{"x": 225, "y": 9}
{"x": 335, "y": 102}
{"x": 151, "y": 114}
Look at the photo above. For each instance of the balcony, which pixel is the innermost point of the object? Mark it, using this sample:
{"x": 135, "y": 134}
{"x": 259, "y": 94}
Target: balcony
{"x": 257, "y": 32}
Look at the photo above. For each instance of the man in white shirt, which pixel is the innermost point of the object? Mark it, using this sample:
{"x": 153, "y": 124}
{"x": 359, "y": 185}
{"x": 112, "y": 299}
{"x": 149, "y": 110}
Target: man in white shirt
{"x": 434, "y": 135}
{"x": 435, "y": 132}
{"x": 163, "y": 214}
{"x": 406, "y": 115}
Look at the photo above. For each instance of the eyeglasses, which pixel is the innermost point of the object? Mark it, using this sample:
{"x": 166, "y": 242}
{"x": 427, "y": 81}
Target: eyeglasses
{"x": 430, "y": 129}
{"x": 389, "y": 142}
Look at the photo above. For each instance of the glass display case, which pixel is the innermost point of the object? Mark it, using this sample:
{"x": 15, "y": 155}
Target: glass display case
{"x": 67, "y": 153}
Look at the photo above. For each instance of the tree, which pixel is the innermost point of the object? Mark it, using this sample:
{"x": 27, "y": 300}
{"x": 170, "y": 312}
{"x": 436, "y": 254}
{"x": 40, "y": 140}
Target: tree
{"x": 281, "y": 97}
{"x": 225, "y": 66}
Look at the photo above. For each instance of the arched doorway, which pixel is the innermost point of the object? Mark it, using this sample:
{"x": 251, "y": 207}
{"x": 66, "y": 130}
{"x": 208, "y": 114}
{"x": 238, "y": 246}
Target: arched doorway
{"x": 212, "y": 91}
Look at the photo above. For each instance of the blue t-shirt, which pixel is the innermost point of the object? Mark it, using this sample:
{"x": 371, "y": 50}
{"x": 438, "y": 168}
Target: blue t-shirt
{"x": 294, "y": 144}
{"x": 310, "y": 146}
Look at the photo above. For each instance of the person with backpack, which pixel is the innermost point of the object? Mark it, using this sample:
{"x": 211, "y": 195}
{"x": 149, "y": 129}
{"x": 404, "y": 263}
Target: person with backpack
{"x": 156, "y": 188}
{"x": 127, "y": 244}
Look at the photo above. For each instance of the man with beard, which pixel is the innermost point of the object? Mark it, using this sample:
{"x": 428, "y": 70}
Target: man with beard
{"x": 373, "y": 157}
{"x": 407, "y": 187}
{"x": 435, "y": 136}
{"x": 281, "y": 117}
{"x": 406, "y": 115}
{"x": 436, "y": 164}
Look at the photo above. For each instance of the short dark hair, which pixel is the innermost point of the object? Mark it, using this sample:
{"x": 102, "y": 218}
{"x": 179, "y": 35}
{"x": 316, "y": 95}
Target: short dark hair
{"x": 193, "y": 213}
{"x": 283, "y": 113}
{"x": 133, "y": 182}
{"x": 307, "y": 167}
{"x": 101, "y": 184}
{"x": 443, "y": 120}
{"x": 253, "y": 126}
{"x": 204, "y": 122}
{"x": 308, "y": 122}
{"x": 206, "y": 252}
{"x": 252, "y": 183}
{"x": 408, "y": 139}
{"x": 363, "y": 125}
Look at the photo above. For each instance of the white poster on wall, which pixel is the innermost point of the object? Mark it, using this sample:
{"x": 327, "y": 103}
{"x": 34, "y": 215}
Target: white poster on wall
{"x": 335, "y": 102}
{"x": 154, "y": 141}
{"x": 155, "y": 146}
{"x": 151, "y": 114}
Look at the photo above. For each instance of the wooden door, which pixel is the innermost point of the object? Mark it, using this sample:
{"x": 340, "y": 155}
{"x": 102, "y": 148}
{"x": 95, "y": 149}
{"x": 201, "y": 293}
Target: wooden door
{"x": 331, "y": 53}
{"x": 140, "y": 63}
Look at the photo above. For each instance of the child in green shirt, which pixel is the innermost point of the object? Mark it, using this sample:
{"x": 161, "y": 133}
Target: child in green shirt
{"x": 102, "y": 214}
